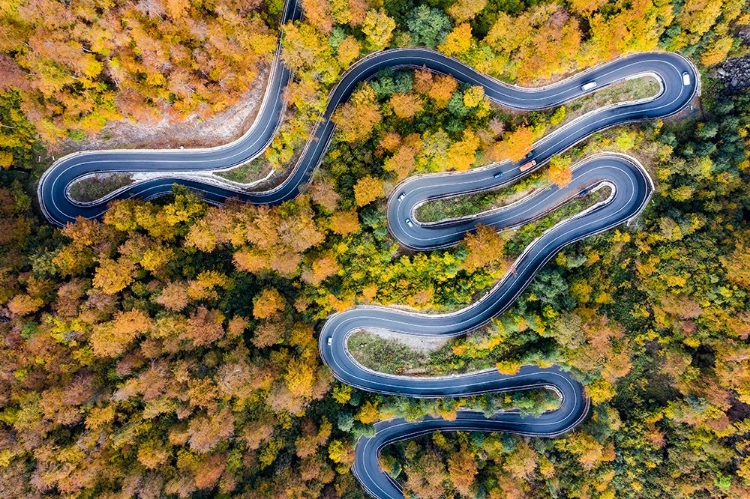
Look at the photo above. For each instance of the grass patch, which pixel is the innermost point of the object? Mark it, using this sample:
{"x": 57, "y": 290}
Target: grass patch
{"x": 94, "y": 187}
{"x": 251, "y": 171}
{"x": 393, "y": 357}
{"x": 388, "y": 356}
{"x": 469, "y": 204}
{"x": 624, "y": 91}
{"x": 526, "y": 234}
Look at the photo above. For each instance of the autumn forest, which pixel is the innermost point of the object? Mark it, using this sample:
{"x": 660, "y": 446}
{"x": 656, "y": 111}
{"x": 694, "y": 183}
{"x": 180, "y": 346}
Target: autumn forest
{"x": 170, "y": 349}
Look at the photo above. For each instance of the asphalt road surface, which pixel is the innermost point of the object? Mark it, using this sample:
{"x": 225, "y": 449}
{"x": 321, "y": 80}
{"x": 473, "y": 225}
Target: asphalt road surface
{"x": 628, "y": 184}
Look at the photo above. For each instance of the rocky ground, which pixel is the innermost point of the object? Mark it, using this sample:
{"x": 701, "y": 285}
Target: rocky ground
{"x": 735, "y": 74}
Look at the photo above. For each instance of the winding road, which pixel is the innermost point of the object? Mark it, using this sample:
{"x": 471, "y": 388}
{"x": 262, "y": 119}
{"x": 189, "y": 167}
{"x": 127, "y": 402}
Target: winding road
{"x": 628, "y": 184}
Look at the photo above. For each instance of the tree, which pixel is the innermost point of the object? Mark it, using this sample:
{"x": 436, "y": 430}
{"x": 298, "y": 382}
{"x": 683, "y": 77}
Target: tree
{"x": 357, "y": 118}
{"x": 425, "y": 478}
{"x": 348, "y": 51}
{"x": 112, "y": 276}
{"x": 462, "y": 154}
{"x": 321, "y": 269}
{"x": 267, "y": 303}
{"x": 406, "y": 105}
{"x": 269, "y": 333}
{"x": 204, "y": 326}
{"x": 474, "y": 96}
{"x": 464, "y": 10}
{"x": 402, "y": 163}
{"x": 428, "y": 26}
{"x": 483, "y": 247}
{"x": 462, "y": 470}
{"x": 351, "y": 12}
{"x": 323, "y": 193}
{"x": 442, "y": 89}
{"x": 559, "y": 172}
{"x": 458, "y": 41}
{"x": 21, "y": 305}
{"x": 111, "y": 339}
{"x": 367, "y": 189}
{"x": 515, "y": 145}
{"x": 318, "y": 13}
{"x": 378, "y": 28}
{"x": 586, "y": 7}
{"x": 174, "y": 296}
{"x": 737, "y": 265}
{"x": 206, "y": 431}
{"x": 718, "y": 51}
{"x": 344, "y": 223}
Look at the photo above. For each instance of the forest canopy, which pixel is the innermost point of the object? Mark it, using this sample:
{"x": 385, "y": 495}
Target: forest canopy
{"x": 170, "y": 349}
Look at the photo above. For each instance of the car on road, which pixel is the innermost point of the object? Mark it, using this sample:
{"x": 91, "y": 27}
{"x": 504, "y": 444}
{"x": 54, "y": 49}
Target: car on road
{"x": 686, "y": 78}
{"x": 409, "y": 223}
{"x": 498, "y": 175}
{"x": 528, "y": 165}
{"x": 330, "y": 341}
{"x": 401, "y": 196}
{"x": 588, "y": 86}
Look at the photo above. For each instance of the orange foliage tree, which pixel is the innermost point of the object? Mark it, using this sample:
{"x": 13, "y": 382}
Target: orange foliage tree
{"x": 515, "y": 145}
{"x": 485, "y": 246}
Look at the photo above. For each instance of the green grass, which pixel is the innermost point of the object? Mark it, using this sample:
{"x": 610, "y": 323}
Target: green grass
{"x": 628, "y": 90}
{"x": 526, "y": 234}
{"x": 393, "y": 357}
{"x": 252, "y": 171}
{"x": 469, "y": 204}
{"x": 388, "y": 356}
{"x": 94, "y": 187}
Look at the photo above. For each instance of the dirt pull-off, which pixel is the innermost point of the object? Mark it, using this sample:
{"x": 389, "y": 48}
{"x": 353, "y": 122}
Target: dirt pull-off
{"x": 422, "y": 344}
{"x": 165, "y": 134}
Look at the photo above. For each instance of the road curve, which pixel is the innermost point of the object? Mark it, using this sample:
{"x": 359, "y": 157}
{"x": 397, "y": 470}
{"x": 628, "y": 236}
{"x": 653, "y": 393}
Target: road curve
{"x": 629, "y": 190}
{"x": 183, "y": 166}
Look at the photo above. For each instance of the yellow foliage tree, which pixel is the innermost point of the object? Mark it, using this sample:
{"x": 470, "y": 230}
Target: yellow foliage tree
{"x": 406, "y": 105}
{"x": 367, "y": 189}
{"x": 559, "y": 172}
{"x": 357, "y": 118}
{"x": 462, "y": 154}
{"x": 474, "y": 96}
{"x": 485, "y": 246}
{"x": 463, "y": 10}
{"x": 515, "y": 145}
{"x": 267, "y": 303}
{"x": 378, "y": 28}
{"x": 458, "y": 40}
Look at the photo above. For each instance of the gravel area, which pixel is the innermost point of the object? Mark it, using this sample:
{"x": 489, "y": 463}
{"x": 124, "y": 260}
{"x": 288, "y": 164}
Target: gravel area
{"x": 420, "y": 344}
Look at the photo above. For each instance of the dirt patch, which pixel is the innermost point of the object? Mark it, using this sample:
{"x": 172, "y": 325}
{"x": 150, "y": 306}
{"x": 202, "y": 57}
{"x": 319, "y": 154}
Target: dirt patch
{"x": 165, "y": 134}
{"x": 93, "y": 187}
{"x": 421, "y": 344}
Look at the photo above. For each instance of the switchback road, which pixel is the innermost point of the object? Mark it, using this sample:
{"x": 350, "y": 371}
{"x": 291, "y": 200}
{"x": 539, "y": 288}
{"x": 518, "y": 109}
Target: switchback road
{"x": 628, "y": 184}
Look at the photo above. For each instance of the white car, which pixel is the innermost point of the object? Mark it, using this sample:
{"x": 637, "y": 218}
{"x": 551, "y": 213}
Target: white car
{"x": 686, "y": 78}
{"x": 408, "y": 222}
{"x": 401, "y": 196}
{"x": 588, "y": 86}
{"x": 330, "y": 341}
